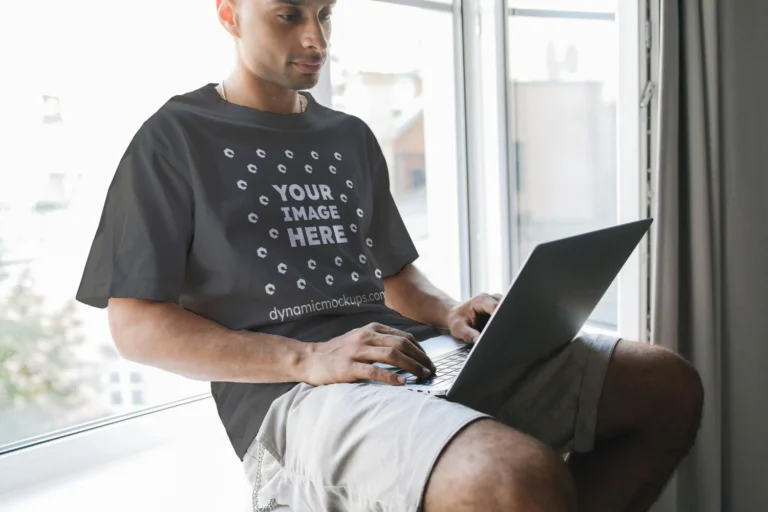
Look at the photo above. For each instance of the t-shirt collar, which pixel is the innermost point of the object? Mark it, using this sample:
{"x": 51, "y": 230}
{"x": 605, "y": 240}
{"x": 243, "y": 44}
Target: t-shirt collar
{"x": 306, "y": 119}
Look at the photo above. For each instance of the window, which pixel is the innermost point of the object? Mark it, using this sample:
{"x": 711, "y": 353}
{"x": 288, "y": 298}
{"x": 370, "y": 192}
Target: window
{"x": 52, "y": 109}
{"x": 137, "y": 397}
{"x": 404, "y": 88}
{"x": 564, "y": 90}
{"x": 83, "y": 91}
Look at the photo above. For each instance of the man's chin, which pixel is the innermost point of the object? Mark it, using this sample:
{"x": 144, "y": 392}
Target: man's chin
{"x": 305, "y": 83}
{"x": 301, "y": 81}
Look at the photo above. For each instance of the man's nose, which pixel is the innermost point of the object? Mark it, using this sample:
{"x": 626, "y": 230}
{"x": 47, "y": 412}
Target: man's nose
{"x": 315, "y": 37}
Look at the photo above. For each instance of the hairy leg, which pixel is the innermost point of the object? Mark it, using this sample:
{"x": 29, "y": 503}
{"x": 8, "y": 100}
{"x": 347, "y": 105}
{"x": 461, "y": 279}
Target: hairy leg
{"x": 491, "y": 467}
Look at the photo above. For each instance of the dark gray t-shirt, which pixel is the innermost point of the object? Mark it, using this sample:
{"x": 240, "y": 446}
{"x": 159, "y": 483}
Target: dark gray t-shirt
{"x": 273, "y": 223}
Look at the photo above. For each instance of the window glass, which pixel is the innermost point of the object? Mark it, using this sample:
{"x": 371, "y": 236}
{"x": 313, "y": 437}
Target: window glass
{"x": 73, "y": 94}
{"x": 563, "y": 87}
{"x": 403, "y": 87}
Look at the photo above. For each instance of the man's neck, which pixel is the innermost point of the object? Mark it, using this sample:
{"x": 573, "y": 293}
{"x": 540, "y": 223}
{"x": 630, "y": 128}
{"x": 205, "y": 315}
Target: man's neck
{"x": 248, "y": 90}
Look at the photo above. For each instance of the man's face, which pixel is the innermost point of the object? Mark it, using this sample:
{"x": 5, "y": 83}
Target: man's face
{"x": 282, "y": 41}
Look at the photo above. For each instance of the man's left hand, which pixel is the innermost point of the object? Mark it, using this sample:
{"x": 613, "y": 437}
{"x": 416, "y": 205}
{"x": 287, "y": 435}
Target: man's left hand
{"x": 462, "y": 318}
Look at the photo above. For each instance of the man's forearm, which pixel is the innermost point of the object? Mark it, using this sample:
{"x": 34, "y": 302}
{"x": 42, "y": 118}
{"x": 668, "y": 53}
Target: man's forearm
{"x": 411, "y": 294}
{"x": 168, "y": 337}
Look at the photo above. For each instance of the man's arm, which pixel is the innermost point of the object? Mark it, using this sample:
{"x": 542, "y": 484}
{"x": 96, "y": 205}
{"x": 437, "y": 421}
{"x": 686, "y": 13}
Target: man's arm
{"x": 411, "y": 294}
{"x": 166, "y": 336}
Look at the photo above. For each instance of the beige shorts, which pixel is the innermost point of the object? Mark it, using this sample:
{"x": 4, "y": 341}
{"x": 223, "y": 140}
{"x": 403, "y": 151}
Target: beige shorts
{"x": 362, "y": 447}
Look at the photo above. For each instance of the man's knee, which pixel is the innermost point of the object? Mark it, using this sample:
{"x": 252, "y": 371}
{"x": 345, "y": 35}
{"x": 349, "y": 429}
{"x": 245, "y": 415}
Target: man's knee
{"x": 489, "y": 467}
{"x": 650, "y": 388}
{"x": 685, "y": 394}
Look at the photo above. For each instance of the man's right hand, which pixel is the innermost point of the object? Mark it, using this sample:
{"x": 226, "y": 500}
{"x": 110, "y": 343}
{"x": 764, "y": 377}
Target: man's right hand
{"x": 349, "y": 357}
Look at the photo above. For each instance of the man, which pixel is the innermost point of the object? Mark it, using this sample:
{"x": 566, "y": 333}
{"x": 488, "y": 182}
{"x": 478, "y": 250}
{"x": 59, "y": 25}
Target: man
{"x": 249, "y": 238}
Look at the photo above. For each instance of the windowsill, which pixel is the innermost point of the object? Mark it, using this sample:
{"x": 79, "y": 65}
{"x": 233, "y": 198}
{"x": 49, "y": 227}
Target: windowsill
{"x": 173, "y": 459}
{"x": 593, "y": 329}
{"x": 82, "y": 428}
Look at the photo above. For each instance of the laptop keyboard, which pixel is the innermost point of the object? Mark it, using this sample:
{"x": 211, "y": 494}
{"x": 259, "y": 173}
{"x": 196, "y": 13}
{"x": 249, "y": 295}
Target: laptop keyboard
{"x": 447, "y": 369}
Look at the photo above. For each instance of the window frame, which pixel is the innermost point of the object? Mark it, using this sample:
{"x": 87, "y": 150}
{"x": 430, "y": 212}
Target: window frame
{"x": 631, "y": 180}
{"x": 632, "y": 148}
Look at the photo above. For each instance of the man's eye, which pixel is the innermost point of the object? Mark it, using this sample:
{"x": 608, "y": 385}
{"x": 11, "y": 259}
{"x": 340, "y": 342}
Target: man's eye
{"x": 326, "y": 16}
{"x": 288, "y": 17}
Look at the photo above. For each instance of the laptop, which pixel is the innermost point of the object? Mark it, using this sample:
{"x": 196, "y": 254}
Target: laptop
{"x": 543, "y": 310}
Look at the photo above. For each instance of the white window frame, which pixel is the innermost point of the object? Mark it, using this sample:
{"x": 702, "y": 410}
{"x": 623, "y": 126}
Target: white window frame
{"x": 631, "y": 179}
{"x": 497, "y": 165}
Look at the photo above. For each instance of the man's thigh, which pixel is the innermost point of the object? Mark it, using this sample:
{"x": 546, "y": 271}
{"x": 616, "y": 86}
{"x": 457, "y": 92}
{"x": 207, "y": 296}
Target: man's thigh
{"x": 351, "y": 447}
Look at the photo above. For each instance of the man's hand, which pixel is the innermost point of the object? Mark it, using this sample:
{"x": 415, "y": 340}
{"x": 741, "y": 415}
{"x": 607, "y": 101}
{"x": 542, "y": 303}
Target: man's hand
{"x": 348, "y": 357}
{"x": 462, "y": 318}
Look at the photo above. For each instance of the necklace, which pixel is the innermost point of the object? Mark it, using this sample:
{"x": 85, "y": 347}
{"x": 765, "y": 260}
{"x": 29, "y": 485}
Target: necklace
{"x": 302, "y": 99}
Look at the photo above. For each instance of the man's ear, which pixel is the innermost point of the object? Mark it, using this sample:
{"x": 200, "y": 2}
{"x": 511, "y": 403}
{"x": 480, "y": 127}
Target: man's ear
{"x": 226, "y": 12}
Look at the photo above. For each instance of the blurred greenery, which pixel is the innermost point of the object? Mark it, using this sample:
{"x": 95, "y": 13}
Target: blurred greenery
{"x": 41, "y": 376}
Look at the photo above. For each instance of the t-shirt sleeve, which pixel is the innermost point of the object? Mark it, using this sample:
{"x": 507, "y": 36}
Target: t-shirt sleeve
{"x": 145, "y": 231}
{"x": 392, "y": 246}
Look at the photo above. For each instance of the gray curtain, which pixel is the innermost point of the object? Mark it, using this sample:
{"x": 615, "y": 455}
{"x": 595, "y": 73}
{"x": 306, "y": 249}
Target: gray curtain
{"x": 711, "y": 239}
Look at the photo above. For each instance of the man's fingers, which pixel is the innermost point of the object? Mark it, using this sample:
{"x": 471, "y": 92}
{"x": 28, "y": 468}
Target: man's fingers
{"x": 389, "y": 336}
{"x": 405, "y": 346}
{"x": 485, "y": 305}
{"x": 385, "y": 329}
{"x": 418, "y": 351}
{"x": 370, "y": 372}
{"x": 467, "y": 333}
{"x": 390, "y": 355}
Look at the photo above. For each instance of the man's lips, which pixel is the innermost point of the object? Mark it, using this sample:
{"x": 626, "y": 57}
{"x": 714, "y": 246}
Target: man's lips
{"x": 309, "y": 67}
